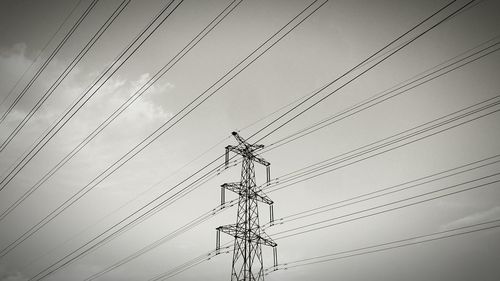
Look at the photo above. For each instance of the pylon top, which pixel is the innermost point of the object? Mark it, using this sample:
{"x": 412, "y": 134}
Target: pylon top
{"x": 245, "y": 149}
{"x": 244, "y": 145}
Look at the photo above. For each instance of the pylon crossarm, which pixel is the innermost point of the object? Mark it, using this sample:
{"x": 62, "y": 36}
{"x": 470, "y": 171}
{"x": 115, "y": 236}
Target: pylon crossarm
{"x": 234, "y": 187}
{"x": 234, "y": 149}
{"x": 237, "y": 188}
{"x": 230, "y": 229}
{"x": 252, "y": 235}
{"x": 243, "y": 151}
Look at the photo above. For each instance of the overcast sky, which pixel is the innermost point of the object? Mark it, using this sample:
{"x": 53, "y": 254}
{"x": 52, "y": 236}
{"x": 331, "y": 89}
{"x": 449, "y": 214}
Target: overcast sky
{"x": 334, "y": 39}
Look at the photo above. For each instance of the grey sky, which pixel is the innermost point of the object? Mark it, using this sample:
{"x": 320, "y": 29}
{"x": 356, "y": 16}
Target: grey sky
{"x": 337, "y": 37}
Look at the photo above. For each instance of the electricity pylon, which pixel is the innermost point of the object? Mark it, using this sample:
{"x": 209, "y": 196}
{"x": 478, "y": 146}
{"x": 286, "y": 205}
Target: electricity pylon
{"x": 248, "y": 236}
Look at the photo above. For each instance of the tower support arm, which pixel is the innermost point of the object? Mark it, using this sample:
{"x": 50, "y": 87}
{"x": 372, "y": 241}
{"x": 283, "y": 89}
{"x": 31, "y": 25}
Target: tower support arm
{"x": 252, "y": 235}
{"x": 237, "y": 188}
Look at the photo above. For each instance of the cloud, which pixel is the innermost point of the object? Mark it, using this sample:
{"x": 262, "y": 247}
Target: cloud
{"x": 10, "y": 275}
{"x": 478, "y": 217}
{"x": 142, "y": 115}
{"x": 13, "y": 61}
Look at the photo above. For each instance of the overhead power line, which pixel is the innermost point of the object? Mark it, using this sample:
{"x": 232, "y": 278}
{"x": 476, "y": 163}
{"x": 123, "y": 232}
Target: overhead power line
{"x": 390, "y": 190}
{"x": 188, "y": 178}
{"x": 362, "y": 72}
{"x": 220, "y": 157}
{"x": 489, "y": 47}
{"x": 198, "y": 260}
{"x": 191, "y": 263}
{"x": 221, "y": 16}
{"x": 106, "y": 237}
{"x": 465, "y": 168}
{"x": 41, "y": 52}
{"x": 410, "y": 241}
{"x": 391, "y": 143}
{"x": 88, "y": 46}
{"x": 320, "y": 225}
{"x": 215, "y": 173}
{"x": 189, "y": 267}
{"x": 281, "y": 33}
{"x": 94, "y": 87}
{"x": 48, "y": 60}
{"x": 476, "y": 167}
{"x": 415, "y": 240}
{"x": 195, "y": 222}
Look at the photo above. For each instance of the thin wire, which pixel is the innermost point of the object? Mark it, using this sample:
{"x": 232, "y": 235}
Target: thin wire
{"x": 363, "y": 72}
{"x": 384, "y": 95}
{"x": 409, "y": 241}
{"x": 383, "y": 145}
{"x": 117, "y": 112}
{"x": 71, "y": 111}
{"x": 193, "y": 223}
{"x": 63, "y": 75}
{"x": 389, "y": 204}
{"x": 63, "y": 207}
{"x": 258, "y": 56}
{"x": 387, "y": 191}
{"x": 191, "y": 263}
{"x": 126, "y": 227}
{"x": 42, "y": 50}
{"x": 48, "y": 60}
{"x": 394, "y": 148}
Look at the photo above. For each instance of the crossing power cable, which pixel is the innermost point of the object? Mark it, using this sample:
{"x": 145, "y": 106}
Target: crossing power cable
{"x": 88, "y": 46}
{"x": 363, "y": 62}
{"x": 193, "y": 223}
{"x": 217, "y": 159}
{"x": 40, "y": 53}
{"x": 232, "y": 5}
{"x": 454, "y": 232}
{"x": 489, "y": 158}
{"x": 389, "y": 190}
{"x": 152, "y": 136}
{"x": 49, "y": 59}
{"x": 320, "y": 225}
{"x": 80, "y": 101}
{"x": 164, "y": 205}
{"x": 411, "y": 135}
{"x": 465, "y": 112}
{"x": 191, "y": 263}
{"x": 216, "y": 172}
{"x": 452, "y": 193}
{"x": 210, "y": 163}
{"x": 362, "y": 72}
{"x": 408, "y": 185}
{"x": 90, "y": 246}
{"x": 64, "y": 74}
{"x": 445, "y": 234}
{"x": 285, "y": 30}
{"x": 395, "y": 91}
{"x": 486, "y": 164}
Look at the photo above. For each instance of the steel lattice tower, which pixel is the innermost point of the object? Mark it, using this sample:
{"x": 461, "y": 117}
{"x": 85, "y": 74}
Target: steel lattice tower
{"x": 247, "y": 262}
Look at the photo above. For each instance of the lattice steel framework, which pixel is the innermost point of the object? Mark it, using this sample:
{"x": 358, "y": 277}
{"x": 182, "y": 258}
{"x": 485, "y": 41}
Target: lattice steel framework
{"x": 247, "y": 262}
